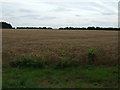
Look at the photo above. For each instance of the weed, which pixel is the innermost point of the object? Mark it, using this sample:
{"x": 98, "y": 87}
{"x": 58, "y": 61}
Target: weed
{"x": 41, "y": 62}
{"x": 61, "y": 52}
{"x": 71, "y": 55}
{"x": 91, "y": 53}
{"x": 27, "y": 61}
{"x": 63, "y": 63}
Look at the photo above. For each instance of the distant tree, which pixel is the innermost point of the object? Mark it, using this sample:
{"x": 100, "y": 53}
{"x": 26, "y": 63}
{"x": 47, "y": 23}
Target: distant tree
{"x": 61, "y": 28}
{"x": 49, "y": 28}
{"x": 91, "y": 28}
{"x": 44, "y": 28}
{"x": 5, "y": 25}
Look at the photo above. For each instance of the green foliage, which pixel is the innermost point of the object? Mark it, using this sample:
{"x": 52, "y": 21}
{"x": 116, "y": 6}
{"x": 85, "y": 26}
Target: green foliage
{"x": 27, "y": 61}
{"x": 71, "y": 77}
{"x": 61, "y": 52}
{"x": 76, "y": 44}
{"x": 63, "y": 63}
{"x": 71, "y": 55}
{"x": 100, "y": 74}
{"x": 91, "y": 53}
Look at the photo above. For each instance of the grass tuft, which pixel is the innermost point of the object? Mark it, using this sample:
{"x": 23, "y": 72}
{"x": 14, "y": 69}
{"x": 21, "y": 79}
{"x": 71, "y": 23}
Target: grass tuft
{"x": 91, "y": 53}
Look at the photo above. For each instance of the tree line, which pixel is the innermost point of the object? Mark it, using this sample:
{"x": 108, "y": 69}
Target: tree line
{"x": 33, "y": 28}
{"x": 89, "y": 28}
{"x": 4, "y": 25}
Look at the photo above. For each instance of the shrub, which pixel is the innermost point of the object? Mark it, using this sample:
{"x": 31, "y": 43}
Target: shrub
{"x": 27, "y": 61}
{"x": 63, "y": 63}
{"x": 91, "y": 53}
{"x": 40, "y": 62}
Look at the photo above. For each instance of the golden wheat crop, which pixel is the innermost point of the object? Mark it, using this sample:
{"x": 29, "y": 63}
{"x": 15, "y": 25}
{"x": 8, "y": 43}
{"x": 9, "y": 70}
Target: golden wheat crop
{"x": 50, "y": 43}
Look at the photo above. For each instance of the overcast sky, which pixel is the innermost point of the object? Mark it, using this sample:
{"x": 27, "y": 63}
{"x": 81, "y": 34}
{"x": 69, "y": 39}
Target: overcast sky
{"x": 60, "y": 13}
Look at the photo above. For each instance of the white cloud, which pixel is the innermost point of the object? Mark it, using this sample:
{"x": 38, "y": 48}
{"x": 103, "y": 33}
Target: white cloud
{"x": 58, "y": 13}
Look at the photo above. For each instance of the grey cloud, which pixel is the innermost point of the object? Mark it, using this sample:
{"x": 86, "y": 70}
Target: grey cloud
{"x": 108, "y": 13}
{"x": 30, "y": 16}
{"x": 26, "y": 11}
{"x": 61, "y": 9}
{"x": 24, "y": 17}
{"x": 104, "y": 23}
{"x": 47, "y": 18}
{"x": 77, "y": 15}
{"x": 37, "y": 17}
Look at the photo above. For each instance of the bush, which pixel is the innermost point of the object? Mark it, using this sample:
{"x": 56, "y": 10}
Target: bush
{"x": 63, "y": 63}
{"x": 28, "y": 62}
{"x": 35, "y": 62}
{"x": 91, "y": 53}
{"x": 40, "y": 62}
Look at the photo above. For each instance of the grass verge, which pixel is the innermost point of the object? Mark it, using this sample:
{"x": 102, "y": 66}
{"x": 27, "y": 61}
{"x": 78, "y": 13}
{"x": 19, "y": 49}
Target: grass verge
{"x": 86, "y": 76}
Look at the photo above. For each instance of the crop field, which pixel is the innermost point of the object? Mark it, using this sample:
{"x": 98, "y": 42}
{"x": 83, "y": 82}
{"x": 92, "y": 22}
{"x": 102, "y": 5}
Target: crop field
{"x": 57, "y": 45}
{"x": 54, "y": 43}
